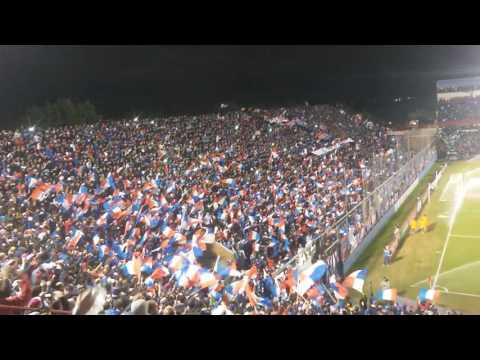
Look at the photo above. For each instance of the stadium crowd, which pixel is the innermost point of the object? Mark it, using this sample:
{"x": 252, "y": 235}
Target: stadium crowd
{"x": 459, "y": 109}
{"x": 461, "y": 142}
{"x": 133, "y": 207}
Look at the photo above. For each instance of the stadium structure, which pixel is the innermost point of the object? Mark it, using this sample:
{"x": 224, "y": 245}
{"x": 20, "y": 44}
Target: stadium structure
{"x": 305, "y": 210}
{"x": 442, "y": 259}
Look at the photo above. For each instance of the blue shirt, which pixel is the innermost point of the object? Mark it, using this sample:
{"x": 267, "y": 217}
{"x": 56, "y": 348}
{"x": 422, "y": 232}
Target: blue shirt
{"x": 112, "y": 312}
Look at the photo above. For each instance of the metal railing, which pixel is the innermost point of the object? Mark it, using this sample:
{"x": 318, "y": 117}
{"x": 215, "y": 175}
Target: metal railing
{"x": 30, "y": 309}
{"x": 422, "y": 201}
{"x": 336, "y": 244}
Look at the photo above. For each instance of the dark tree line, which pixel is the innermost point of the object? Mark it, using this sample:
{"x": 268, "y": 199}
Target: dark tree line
{"x": 61, "y": 112}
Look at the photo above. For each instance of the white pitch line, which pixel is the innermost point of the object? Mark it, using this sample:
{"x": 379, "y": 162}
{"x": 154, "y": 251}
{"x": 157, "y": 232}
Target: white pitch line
{"x": 458, "y": 268}
{"x": 443, "y": 255}
{"x": 450, "y": 227}
{"x": 461, "y": 294}
{"x": 445, "y": 290}
{"x": 466, "y": 236}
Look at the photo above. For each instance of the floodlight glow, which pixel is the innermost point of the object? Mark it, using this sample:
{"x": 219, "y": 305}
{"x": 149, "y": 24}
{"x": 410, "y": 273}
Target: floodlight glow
{"x": 472, "y": 183}
{"x": 31, "y": 129}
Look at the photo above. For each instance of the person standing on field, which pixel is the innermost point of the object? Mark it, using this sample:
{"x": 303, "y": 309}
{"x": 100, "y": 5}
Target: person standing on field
{"x": 396, "y": 233}
{"x": 386, "y": 256}
{"x": 424, "y": 223}
{"x": 385, "y": 284}
{"x": 413, "y": 226}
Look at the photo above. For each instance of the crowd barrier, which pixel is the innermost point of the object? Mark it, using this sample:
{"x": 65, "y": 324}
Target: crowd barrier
{"x": 422, "y": 201}
{"x": 399, "y": 187}
{"x": 29, "y": 309}
{"x": 342, "y": 244}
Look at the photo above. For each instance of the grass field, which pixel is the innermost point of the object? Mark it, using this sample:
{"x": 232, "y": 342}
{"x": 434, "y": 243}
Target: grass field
{"x": 449, "y": 252}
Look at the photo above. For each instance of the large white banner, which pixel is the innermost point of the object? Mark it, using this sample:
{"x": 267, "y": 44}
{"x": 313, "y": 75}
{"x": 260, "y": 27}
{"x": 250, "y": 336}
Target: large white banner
{"x": 326, "y": 150}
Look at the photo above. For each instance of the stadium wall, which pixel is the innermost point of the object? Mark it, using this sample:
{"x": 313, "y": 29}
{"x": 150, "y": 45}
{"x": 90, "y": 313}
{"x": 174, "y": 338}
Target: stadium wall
{"x": 384, "y": 220}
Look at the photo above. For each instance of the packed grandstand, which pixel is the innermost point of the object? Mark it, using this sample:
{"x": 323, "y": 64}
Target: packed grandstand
{"x": 196, "y": 214}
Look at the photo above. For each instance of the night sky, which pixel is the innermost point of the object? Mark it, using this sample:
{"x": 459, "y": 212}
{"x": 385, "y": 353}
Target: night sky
{"x": 122, "y": 79}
